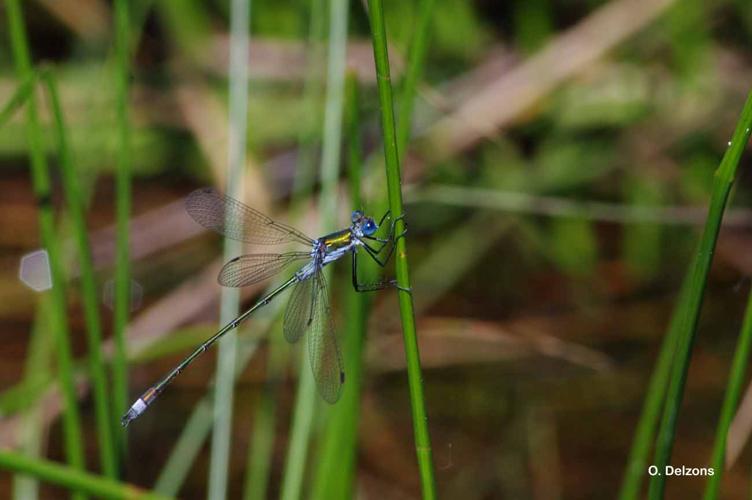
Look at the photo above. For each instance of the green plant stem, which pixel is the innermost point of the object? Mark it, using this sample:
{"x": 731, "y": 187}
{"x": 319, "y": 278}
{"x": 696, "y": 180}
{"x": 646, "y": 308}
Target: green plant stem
{"x": 36, "y": 373}
{"x": 642, "y": 442}
{"x": 122, "y": 214}
{"x": 108, "y": 457}
{"x": 335, "y": 471}
{"x": 306, "y": 397}
{"x": 413, "y": 73}
{"x": 240, "y": 13}
{"x": 261, "y": 447}
{"x": 730, "y": 403}
{"x": 18, "y": 98}
{"x": 407, "y": 313}
{"x": 305, "y": 173}
{"x": 42, "y": 191}
{"x": 722, "y": 183}
{"x": 73, "y": 479}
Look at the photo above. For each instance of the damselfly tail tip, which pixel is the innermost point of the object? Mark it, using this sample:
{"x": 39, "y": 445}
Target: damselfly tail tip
{"x": 133, "y": 412}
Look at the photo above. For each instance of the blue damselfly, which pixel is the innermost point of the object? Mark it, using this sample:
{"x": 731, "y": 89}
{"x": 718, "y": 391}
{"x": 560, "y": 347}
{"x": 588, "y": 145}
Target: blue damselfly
{"x": 308, "y": 308}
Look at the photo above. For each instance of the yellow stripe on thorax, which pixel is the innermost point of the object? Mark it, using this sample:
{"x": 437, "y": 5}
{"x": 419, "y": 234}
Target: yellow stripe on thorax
{"x": 338, "y": 240}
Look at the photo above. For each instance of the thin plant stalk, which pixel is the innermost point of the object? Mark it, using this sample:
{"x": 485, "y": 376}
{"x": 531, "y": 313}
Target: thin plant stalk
{"x": 335, "y": 472}
{"x": 730, "y": 403}
{"x": 306, "y": 398}
{"x": 413, "y": 72}
{"x": 261, "y": 445}
{"x": 42, "y": 191}
{"x": 122, "y": 284}
{"x": 305, "y": 173}
{"x": 240, "y": 14}
{"x": 76, "y": 480}
{"x": 108, "y": 456}
{"x": 18, "y": 98}
{"x": 642, "y": 443}
{"x": 36, "y": 373}
{"x": 407, "y": 313}
{"x": 262, "y": 437}
{"x": 722, "y": 182}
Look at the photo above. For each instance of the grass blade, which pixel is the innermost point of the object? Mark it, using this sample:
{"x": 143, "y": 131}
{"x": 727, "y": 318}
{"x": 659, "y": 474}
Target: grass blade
{"x": 413, "y": 73}
{"x": 73, "y": 479}
{"x": 722, "y": 182}
{"x": 651, "y": 408}
{"x": 18, "y": 98}
{"x": 730, "y": 403}
{"x": 42, "y": 191}
{"x": 122, "y": 213}
{"x": 261, "y": 445}
{"x": 307, "y": 397}
{"x": 407, "y": 313}
{"x": 108, "y": 457}
{"x": 335, "y": 471}
{"x": 36, "y": 373}
{"x": 226, "y": 357}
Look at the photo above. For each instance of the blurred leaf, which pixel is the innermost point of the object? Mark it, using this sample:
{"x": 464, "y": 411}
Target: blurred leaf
{"x": 458, "y": 31}
{"x": 611, "y": 96}
{"x": 697, "y": 178}
{"x": 572, "y": 246}
{"x": 533, "y": 23}
{"x": 565, "y": 163}
{"x": 642, "y": 242}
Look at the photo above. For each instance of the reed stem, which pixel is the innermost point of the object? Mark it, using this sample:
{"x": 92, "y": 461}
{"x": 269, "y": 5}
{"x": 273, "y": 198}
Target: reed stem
{"x": 41, "y": 183}
{"x": 122, "y": 215}
{"x": 722, "y": 183}
{"x": 407, "y": 313}
{"x": 240, "y": 13}
{"x": 107, "y": 454}
{"x": 73, "y": 479}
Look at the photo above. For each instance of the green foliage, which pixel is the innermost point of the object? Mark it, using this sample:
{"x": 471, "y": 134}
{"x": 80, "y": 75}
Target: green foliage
{"x": 722, "y": 182}
{"x": 573, "y": 246}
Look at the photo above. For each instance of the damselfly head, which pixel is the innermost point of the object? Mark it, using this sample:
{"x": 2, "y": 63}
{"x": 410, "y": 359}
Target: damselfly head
{"x": 357, "y": 216}
{"x": 366, "y": 225}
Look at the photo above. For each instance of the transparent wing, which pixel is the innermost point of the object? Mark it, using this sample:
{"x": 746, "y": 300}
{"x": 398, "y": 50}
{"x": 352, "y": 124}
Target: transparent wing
{"x": 248, "y": 269}
{"x": 299, "y": 312}
{"x": 238, "y": 221}
{"x": 323, "y": 352}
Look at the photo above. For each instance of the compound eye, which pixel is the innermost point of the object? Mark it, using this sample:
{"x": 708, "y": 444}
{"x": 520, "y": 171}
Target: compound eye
{"x": 357, "y": 215}
{"x": 369, "y": 227}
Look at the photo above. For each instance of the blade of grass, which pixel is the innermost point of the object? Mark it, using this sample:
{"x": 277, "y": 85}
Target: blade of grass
{"x": 651, "y": 408}
{"x": 305, "y": 173}
{"x": 262, "y": 434}
{"x": 722, "y": 183}
{"x": 335, "y": 471}
{"x": 73, "y": 479}
{"x": 122, "y": 213}
{"x": 36, "y": 372}
{"x": 108, "y": 457}
{"x": 407, "y": 313}
{"x": 262, "y": 437}
{"x": 306, "y": 397}
{"x": 18, "y": 98}
{"x": 413, "y": 73}
{"x": 42, "y": 191}
{"x": 240, "y": 14}
{"x": 730, "y": 403}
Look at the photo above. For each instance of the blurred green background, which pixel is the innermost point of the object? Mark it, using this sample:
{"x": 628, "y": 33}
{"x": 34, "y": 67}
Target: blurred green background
{"x": 560, "y": 160}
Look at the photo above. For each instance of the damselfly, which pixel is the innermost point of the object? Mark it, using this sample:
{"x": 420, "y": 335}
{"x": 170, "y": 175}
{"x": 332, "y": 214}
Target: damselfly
{"x": 308, "y": 308}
